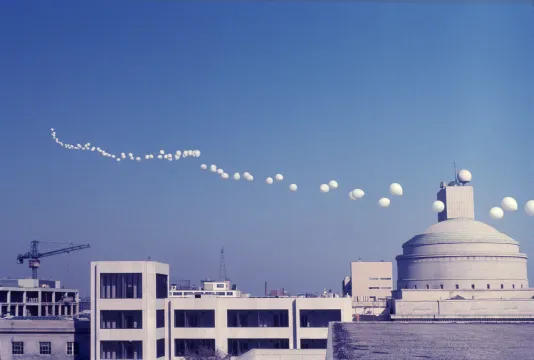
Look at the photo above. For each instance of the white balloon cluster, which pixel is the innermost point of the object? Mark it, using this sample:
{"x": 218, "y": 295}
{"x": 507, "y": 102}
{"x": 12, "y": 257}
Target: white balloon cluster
{"x": 237, "y": 176}
{"x": 123, "y": 156}
{"x": 332, "y": 185}
{"x": 509, "y": 204}
{"x": 395, "y": 189}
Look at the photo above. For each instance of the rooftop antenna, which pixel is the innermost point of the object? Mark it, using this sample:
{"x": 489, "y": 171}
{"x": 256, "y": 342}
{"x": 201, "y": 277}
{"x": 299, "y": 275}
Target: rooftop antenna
{"x": 455, "y": 172}
{"x": 222, "y": 267}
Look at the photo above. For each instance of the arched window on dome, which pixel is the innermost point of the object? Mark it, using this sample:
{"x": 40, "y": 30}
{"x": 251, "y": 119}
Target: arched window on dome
{"x": 441, "y": 286}
{"x": 473, "y": 286}
{"x": 457, "y": 286}
{"x": 502, "y": 286}
{"x": 415, "y": 286}
{"x": 488, "y": 286}
{"x": 428, "y": 287}
{"x": 513, "y": 286}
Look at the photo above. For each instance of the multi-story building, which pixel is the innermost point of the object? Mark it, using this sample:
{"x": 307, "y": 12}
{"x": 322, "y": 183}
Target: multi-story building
{"x": 371, "y": 281}
{"x": 124, "y": 320}
{"x": 50, "y": 337}
{"x": 129, "y": 303}
{"x": 34, "y": 297}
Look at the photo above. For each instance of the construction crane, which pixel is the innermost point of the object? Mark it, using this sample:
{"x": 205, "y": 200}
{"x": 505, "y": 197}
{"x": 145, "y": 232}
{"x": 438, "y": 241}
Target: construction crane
{"x": 34, "y": 255}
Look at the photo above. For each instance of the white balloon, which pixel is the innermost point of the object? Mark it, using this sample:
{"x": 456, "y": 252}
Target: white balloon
{"x": 384, "y": 202}
{"x": 395, "y": 189}
{"x": 250, "y": 178}
{"x": 529, "y": 208}
{"x": 293, "y": 187}
{"x": 224, "y": 175}
{"x": 220, "y": 171}
{"x": 160, "y": 157}
{"x": 464, "y": 176}
{"x": 269, "y": 180}
{"x": 130, "y": 154}
{"x": 279, "y": 177}
{"x": 357, "y": 194}
{"x": 197, "y": 153}
{"x": 118, "y": 159}
{"x": 496, "y": 213}
{"x": 138, "y": 158}
{"x": 123, "y": 155}
{"x": 162, "y": 152}
{"x": 213, "y": 168}
{"x": 203, "y": 166}
{"x": 324, "y": 188}
{"x": 350, "y": 196}
{"x": 147, "y": 157}
{"x": 237, "y": 176}
{"x": 333, "y": 184}
{"x": 246, "y": 174}
{"x": 509, "y": 204}
{"x": 438, "y": 206}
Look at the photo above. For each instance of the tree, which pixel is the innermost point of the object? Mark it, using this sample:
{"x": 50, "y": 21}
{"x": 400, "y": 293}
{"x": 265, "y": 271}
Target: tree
{"x": 206, "y": 354}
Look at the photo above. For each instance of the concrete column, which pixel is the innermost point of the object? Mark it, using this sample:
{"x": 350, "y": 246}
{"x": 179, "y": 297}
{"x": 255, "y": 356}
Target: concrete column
{"x": 9, "y": 297}
{"x": 39, "y": 311}
{"x": 53, "y": 309}
{"x": 24, "y": 297}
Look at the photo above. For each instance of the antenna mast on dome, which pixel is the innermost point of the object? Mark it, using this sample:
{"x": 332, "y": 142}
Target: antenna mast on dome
{"x": 455, "y": 173}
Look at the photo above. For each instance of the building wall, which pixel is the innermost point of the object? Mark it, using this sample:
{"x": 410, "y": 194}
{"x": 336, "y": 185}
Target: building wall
{"x": 432, "y": 295}
{"x": 31, "y": 332}
{"x": 279, "y": 354}
{"x": 472, "y": 308}
{"x": 148, "y": 304}
{"x": 459, "y": 202}
{"x": 366, "y": 275}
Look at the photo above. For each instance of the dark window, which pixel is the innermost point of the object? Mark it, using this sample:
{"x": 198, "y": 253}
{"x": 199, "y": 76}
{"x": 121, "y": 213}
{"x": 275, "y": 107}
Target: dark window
{"x": 160, "y": 319}
{"x": 121, "y": 319}
{"x": 318, "y": 318}
{"x": 162, "y": 287}
{"x": 184, "y": 347}
{"x": 374, "y": 287}
{"x": 457, "y": 286}
{"x": 160, "y": 348}
{"x": 513, "y": 286}
{"x": 194, "y": 318}
{"x": 258, "y": 318}
{"x": 17, "y": 348}
{"x": 221, "y": 293}
{"x": 472, "y": 286}
{"x": 488, "y": 286}
{"x": 521, "y": 286}
{"x": 220, "y": 286}
{"x": 385, "y": 278}
{"x": 237, "y": 347}
{"x": 121, "y": 286}
{"x": 441, "y": 286}
{"x": 313, "y": 343}
{"x": 45, "y": 348}
{"x": 502, "y": 286}
{"x": 72, "y": 348}
{"x": 427, "y": 286}
{"x": 131, "y": 350}
{"x": 229, "y": 293}
{"x": 415, "y": 286}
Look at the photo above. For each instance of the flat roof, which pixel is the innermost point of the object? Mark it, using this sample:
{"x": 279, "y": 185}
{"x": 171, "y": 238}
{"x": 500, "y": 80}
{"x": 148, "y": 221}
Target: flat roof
{"x": 387, "y": 340}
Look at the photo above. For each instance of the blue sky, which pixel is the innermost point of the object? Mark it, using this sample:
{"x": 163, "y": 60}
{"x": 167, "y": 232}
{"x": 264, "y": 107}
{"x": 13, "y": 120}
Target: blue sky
{"x": 366, "y": 94}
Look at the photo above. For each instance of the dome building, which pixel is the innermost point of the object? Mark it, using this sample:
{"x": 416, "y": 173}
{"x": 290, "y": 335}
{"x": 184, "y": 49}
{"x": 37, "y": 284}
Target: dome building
{"x": 461, "y": 267}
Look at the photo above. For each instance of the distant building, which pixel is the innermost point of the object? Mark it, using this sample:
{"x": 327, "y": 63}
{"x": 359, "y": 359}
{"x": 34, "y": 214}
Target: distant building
{"x": 33, "y": 297}
{"x": 133, "y": 317}
{"x": 44, "y": 338}
{"x": 208, "y": 288}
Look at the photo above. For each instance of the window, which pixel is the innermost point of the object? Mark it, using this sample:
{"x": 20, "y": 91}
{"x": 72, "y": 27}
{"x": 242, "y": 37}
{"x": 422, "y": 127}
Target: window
{"x": 427, "y": 287}
{"x": 160, "y": 319}
{"x": 121, "y": 286}
{"x": 513, "y": 286}
{"x": 162, "y": 287}
{"x": 17, "y": 348}
{"x": 220, "y": 286}
{"x": 385, "y": 278}
{"x": 194, "y": 318}
{"x": 472, "y": 286}
{"x": 237, "y": 347}
{"x": 220, "y": 293}
{"x": 160, "y": 348}
{"x": 45, "y": 348}
{"x": 258, "y": 318}
{"x": 457, "y": 286}
{"x": 488, "y": 286}
{"x": 502, "y": 286}
{"x": 415, "y": 286}
{"x": 313, "y": 343}
{"x": 132, "y": 350}
{"x": 521, "y": 286}
{"x": 72, "y": 348}
{"x": 386, "y": 288}
{"x": 318, "y": 318}
{"x": 184, "y": 347}
{"x": 229, "y": 293}
{"x": 373, "y": 288}
{"x": 121, "y": 319}
{"x": 373, "y": 278}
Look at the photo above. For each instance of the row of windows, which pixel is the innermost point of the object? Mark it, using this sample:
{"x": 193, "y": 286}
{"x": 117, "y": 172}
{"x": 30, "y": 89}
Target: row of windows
{"x": 382, "y": 278}
{"x": 219, "y": 293}
{"x": 457, "y": 286}
{"x": 45, "y": 348}
{"x": 130, "y": 286}
{"x": 378, "y": 287}
{"x": 128, "y": 319}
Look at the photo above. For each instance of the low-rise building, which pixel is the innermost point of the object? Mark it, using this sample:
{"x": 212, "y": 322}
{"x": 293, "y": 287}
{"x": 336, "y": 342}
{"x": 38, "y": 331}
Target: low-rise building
{"x": 35, "y": 297}
{"x": 44, "y": 337}
{"x": 133, "y": 317}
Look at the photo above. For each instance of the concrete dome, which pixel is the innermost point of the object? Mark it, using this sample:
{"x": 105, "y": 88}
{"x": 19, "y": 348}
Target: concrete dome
{"x": 464, "y": 254}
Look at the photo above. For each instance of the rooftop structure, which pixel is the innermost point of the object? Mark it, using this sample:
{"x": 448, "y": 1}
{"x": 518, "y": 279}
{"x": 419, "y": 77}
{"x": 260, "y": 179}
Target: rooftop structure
{"x": 34, "y": 297}
{"x": 42, "y": 337}
{"x": 208, "y": 288}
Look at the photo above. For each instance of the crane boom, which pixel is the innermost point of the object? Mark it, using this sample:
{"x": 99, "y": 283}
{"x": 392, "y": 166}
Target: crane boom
{"x": 34, "y": 255}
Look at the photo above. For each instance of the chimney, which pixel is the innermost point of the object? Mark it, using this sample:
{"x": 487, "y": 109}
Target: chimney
{"x": 266, "y": 289}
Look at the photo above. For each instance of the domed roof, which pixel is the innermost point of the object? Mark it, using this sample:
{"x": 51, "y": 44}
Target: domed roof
{"x": 456, "y": 231}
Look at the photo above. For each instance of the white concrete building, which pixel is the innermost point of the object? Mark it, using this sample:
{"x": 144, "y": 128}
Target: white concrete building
{"x": 125, "y": 306}
{"x": 34, "y": 297}
{"x": 461, "y": 268}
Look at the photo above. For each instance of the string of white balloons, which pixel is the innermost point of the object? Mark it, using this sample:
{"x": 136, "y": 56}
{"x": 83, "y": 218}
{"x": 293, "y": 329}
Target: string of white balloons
{"x": 123, "y": 156}
{"x": 509, "y": 204}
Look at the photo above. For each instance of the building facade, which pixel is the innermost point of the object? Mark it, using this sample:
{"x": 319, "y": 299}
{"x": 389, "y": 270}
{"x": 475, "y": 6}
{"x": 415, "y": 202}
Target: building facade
{"x": 33, "y": 297}
{"x": 126, "y": 318}
{"x": 25, "y": 338}
{"x": 371, "y": 280}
